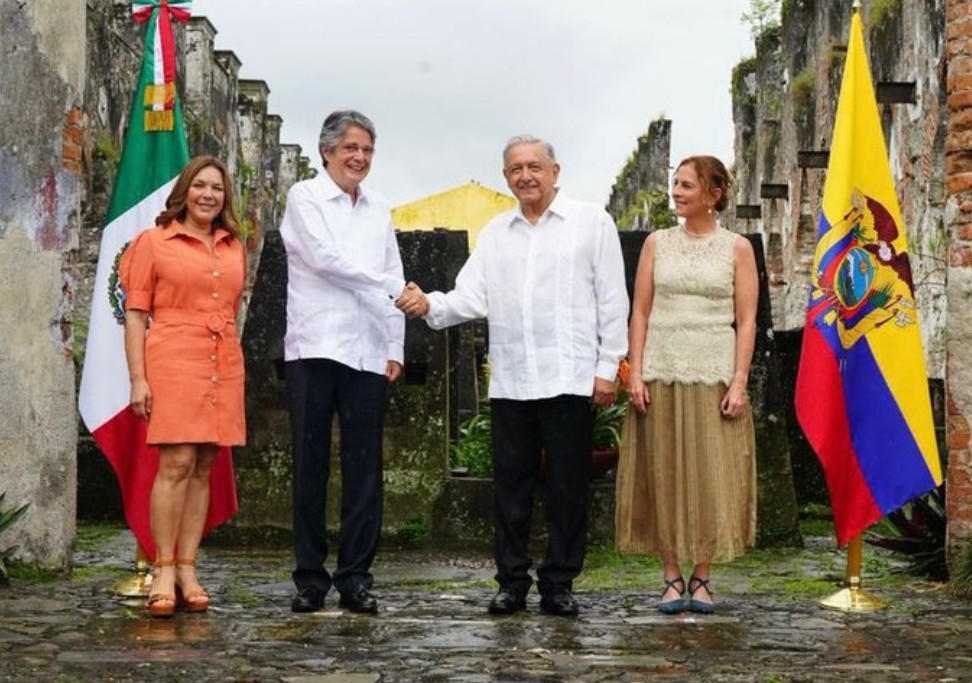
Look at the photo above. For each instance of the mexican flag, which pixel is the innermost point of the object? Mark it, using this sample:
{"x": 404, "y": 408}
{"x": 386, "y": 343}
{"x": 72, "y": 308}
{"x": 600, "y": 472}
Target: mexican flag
{"x": 154, "y": 154}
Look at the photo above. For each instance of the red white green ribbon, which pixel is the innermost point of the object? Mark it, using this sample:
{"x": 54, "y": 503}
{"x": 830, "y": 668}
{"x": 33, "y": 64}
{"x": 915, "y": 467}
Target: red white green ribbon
{"x": 160, "y": 58}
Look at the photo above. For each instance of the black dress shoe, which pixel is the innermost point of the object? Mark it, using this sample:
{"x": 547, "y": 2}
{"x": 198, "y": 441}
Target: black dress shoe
{"x": 359, "y": 600}
{"x": 559, "y": 604}
{"x": 507, "y": 601}
{"x": 308, "y": 599}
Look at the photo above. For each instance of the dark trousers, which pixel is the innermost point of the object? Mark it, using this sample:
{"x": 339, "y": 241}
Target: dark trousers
{"x": 562, "y": 427}
{"x": 316, "y": 389}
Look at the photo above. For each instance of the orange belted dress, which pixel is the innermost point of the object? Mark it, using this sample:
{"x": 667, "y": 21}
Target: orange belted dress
{"x": 193, "y": 359}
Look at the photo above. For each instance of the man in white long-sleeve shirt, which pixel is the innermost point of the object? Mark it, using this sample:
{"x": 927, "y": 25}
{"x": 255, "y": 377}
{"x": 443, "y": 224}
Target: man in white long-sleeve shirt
{"x": 344, "y": 344}
{"x": 549, "y": 277}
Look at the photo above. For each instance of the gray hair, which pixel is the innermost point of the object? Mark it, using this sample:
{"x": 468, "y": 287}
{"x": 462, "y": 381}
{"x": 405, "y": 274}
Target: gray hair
{"x": 337, "y": 122}
{"x": 518, "y": 140}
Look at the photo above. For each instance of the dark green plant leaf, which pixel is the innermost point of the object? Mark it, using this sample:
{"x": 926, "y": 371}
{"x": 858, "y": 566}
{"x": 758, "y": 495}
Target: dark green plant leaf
{"x": 917, "y": 532}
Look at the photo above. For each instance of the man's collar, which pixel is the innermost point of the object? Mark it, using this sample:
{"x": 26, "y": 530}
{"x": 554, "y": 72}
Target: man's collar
{"x": 332, "y": 191}
{"x": 559, "y": 206}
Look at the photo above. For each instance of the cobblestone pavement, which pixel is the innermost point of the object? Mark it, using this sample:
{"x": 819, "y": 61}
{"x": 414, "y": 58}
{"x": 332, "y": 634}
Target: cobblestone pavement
{"x": 432, "y": 626}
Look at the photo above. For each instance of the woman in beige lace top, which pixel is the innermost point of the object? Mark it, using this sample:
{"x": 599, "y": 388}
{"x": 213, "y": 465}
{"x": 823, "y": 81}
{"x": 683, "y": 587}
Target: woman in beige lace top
{"x": 686, "y": 486}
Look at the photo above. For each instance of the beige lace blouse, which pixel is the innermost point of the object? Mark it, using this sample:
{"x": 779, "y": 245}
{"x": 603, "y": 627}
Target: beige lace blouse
{"x": 690, "y": 334}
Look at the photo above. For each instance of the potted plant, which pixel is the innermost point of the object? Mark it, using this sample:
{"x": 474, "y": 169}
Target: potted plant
{"x": 472, "y": 454}
{"x": 608, "y": 422}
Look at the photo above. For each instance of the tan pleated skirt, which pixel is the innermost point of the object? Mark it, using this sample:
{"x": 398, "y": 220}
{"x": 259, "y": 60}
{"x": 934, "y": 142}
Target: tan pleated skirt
{"x": 686, "y": 484}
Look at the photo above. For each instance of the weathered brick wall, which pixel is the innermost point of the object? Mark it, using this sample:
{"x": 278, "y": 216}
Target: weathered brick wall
{"x": 958, "y": 170}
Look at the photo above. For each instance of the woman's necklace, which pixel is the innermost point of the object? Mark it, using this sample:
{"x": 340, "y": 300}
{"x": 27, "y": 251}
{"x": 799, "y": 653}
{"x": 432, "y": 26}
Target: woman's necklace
{"x": 693, "y": 233}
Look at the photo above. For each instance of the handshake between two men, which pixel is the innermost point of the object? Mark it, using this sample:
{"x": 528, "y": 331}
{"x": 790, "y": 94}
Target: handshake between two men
{"x": 413, "y": 301}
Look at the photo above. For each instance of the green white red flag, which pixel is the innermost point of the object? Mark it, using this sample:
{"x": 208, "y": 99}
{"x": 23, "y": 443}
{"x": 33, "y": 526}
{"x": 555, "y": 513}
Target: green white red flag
{"x": 154, "y": 153}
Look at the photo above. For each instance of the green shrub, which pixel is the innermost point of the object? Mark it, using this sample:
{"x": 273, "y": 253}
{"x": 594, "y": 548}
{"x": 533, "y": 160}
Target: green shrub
{"x": 474, "y": 448}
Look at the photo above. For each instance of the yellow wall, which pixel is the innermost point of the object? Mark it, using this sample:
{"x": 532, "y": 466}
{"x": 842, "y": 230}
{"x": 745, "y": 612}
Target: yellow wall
{"x": 467, "y": 207}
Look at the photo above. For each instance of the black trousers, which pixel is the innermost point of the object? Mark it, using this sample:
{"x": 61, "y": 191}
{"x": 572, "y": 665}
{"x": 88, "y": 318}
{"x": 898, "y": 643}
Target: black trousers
{"x": 562, "y": 427}
{"x": 316, "y": 390}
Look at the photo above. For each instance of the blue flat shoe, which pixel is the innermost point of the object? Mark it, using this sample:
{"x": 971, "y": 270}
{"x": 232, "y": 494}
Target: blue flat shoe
{"x": 675, "y": 605}
{"x": 696, "y": 584}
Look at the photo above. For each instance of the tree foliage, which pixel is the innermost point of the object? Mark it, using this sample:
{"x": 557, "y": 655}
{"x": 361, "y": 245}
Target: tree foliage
{"x": 762, "y": 16}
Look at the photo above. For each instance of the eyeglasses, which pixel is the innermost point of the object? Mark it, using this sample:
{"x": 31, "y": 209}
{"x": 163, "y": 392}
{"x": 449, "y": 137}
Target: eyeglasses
{"x": 352, "y": 149}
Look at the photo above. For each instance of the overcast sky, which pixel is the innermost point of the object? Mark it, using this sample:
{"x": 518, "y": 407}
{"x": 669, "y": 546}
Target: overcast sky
{"x": 447, "y": 82}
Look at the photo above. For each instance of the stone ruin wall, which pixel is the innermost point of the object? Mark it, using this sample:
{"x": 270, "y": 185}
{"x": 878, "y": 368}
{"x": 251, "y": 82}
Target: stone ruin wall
{"x": 69, "y": 71}
{"x": 643, "y": 178}
{"x": 784, "y": 103}
{"x": 70, "y": 140}
{"x": 230, "y": 118}
{"x": 41, "y": 130}
{"x": 224, "y": 116}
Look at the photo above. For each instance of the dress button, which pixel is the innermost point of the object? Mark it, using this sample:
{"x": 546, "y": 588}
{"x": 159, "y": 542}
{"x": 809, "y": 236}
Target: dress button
{"x": 217, "y": 254}
{"x": 213, "y": 337}
{"x": 215, "y": 273}
{"x": 213, "y": 358}
{"x": 213, "y": 379}
{"x": 215, "y": 295}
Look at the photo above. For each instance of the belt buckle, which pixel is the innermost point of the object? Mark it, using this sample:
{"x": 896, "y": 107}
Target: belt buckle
{"x": 216, "y": 322}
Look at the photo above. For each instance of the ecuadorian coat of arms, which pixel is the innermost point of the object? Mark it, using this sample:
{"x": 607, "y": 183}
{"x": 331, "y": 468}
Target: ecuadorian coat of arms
{"x": 862, "y": 281}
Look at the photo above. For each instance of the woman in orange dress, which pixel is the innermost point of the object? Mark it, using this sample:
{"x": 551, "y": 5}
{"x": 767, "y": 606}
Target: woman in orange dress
{"x": 183, "y": 281}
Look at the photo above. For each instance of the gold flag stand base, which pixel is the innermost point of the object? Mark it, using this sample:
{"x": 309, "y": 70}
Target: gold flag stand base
{"x": 139, "y": 585}
{"x": 136, "y": 586}
{"x": 853, "y": 598}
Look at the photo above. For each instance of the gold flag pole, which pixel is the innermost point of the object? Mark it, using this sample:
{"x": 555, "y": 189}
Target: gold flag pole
{"x": 853, "y": 598}
{"x": 136, "y": 586}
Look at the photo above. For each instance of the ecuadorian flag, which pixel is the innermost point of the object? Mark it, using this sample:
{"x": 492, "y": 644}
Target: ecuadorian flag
{"x": 862, "y": 390}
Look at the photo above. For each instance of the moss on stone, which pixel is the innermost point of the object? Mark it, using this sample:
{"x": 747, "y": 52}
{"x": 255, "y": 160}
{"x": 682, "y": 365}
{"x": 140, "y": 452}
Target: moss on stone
{"x": 802, "y": 92}
{"x": 739, "y": 74}
{"x": 651, "y": 204}
{"x": 961, "y": 573}
{"x": 882, "y": 11}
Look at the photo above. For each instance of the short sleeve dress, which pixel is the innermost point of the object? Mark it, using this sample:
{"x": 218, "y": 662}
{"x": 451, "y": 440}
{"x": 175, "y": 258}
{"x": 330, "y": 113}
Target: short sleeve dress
{"x": 686, "y": 483}
{"x": 193, "y": 359}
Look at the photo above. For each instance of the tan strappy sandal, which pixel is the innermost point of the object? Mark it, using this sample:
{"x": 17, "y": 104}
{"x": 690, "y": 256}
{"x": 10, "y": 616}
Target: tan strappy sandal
{"x": 195, "y": 600}
{"x": 161, "y": 605}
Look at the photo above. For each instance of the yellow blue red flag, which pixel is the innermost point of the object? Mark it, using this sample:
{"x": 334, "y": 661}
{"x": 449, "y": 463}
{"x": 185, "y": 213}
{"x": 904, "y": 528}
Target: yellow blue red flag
{"x": 862, "y": 390}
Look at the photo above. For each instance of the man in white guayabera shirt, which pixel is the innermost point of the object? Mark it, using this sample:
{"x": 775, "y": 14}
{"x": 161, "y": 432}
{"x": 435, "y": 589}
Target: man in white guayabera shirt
{"x": 549, "y": 277}
{"x": 344, "y": 344}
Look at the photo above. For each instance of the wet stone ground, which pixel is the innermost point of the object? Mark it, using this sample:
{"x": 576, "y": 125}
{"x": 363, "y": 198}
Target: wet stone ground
{"x": 433, "y": 626}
